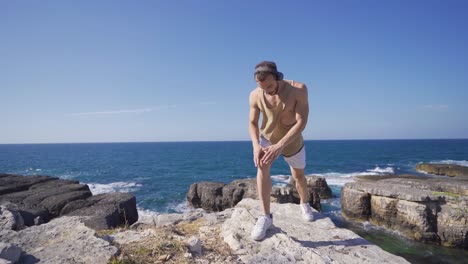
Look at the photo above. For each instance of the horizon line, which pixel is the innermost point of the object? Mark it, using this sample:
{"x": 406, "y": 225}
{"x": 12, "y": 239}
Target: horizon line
{"x": 208, "y": 141}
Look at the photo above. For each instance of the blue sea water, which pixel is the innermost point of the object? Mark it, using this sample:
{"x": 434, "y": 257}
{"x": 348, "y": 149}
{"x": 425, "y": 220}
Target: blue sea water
{"x": 159, "y": 174}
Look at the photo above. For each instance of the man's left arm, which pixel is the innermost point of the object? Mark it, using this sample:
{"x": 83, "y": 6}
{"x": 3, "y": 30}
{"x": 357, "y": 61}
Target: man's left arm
{"x": 302, "y": 114}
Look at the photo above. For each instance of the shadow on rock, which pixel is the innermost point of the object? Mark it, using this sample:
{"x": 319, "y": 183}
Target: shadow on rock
{"x": 348, "y": 242}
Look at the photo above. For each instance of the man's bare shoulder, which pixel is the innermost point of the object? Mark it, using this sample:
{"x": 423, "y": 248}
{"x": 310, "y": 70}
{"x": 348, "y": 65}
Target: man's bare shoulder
{"x": 254, "y": 93}
{"x": 300, "y": 89}
{"x": 253, "y": 97}
{"x": 299, "y": 85}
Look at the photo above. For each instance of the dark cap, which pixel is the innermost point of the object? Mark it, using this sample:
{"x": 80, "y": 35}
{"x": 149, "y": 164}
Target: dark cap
{"x": 268, "y": 66}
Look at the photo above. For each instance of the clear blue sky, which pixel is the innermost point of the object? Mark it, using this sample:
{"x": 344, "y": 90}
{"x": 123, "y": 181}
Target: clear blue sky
{"x": 111, "y": 71}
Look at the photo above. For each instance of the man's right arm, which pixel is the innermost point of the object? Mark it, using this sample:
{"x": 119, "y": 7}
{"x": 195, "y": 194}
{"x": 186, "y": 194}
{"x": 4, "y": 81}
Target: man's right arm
{"x": 254, "y": 115}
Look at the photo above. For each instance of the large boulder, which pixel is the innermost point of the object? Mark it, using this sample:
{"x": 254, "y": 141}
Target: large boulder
{"x": 235, "y": 191}
{"x": 61, "y": 241}
{"x": 316, "y": 186}
{"x": 38, "y": 199}
{"x": 217, "y": 196}
{"x": 431, "y": 210}
{"x": 110, "y": 210}
{"x": 206, "y": 195}
{"x": 297, "y": 241}
{"x": 450, "y": 170}
{"x": 10, "y": 183}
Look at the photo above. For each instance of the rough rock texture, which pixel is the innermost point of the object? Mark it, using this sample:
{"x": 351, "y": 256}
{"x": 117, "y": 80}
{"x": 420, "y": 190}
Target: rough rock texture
{"x": 215, "y": 196}
{"x": 62, "y": 240}
{"x": 297, "y": 241}
{"x": 431, "y": 210}
{"x": 357, "y": 204}
{"x": 10, "y": 218}
{"x": 38, "y": 199}
{"x": 225, "y": 238}
{"x": 109, "y": 210}
{"x": 451, "y": 170}
{"x": 316, "y": 185}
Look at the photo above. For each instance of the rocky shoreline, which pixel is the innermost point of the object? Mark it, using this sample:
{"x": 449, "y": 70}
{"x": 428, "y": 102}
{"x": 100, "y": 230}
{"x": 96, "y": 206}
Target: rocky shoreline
{"x": 217, "y": 196}
{"x": 427, "y": 209}
{"x": 51, "y": 220}
{"x": 451, "y": 170}
{"x": 103, "y": 228}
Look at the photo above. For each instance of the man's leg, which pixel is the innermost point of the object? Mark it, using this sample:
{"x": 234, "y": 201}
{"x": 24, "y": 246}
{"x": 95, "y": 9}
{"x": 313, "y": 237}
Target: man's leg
{"x": 297, "y": 164}
{"x": 301, "y": 184}
{"x": 264, "y": 187}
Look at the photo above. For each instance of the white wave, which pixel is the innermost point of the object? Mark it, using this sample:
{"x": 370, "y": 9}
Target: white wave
{"x": 145, "y": 213}
{"x": 97, "y": 188}
{"x": 340, "y": 179}
{"x": 455, "y": 162}
{"x": 280, "y": 180}
{"x": 182, "y": 207}
{"x": 382, "y": 170}
{"x": 333, "y": 179}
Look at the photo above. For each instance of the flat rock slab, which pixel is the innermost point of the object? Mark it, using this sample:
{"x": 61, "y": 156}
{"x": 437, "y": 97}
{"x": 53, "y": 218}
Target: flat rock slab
{"x": 292, "y": 240}
{"x": 451, "y": 170}
{"x": 61, "y": 241}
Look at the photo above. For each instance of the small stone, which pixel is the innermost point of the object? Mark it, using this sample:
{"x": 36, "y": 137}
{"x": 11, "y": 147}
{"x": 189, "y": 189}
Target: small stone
{"x": 38, "y": 221}
{"x": 194, "y": 245}
{"x": 9, "y": 252}
{"x": 164, "y": 257}
{"x": 188, "y": 255}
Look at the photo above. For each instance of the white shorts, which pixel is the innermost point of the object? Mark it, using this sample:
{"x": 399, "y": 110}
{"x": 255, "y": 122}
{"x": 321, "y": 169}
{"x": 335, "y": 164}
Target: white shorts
{"x": 297, "y": 161}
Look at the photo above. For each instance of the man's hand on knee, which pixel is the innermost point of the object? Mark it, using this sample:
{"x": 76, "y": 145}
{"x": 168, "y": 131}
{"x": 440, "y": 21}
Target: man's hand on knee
{"x": 271, "y": 153}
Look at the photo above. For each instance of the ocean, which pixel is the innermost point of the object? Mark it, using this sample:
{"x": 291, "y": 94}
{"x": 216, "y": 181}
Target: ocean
{"x": 159, "y": 174}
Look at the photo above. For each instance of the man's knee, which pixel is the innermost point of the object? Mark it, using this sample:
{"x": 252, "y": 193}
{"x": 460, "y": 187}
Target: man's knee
{"x": 264, "y": 167}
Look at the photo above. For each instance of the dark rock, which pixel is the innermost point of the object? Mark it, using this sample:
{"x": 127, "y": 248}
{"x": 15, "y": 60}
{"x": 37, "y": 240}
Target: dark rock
{"x": 14, "y": 183}
{"x": 450, "y": 170}
{"x": 75, "y": 205}
{"x": 38, "y": 199}
{"x": 206, "y": 195}
{"x": 55, "y": 203}
{"x": 317, "y": 185}
{"x": 34, "y": 216}
{"x": 108, "y": 211}
{"x": 10, "y": 252}
{"x": 216, "y": 196}
{"x": 235, "y": 191}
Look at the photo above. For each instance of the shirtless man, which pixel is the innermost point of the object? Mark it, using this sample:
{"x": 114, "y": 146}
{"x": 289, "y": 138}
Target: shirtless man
{"x": 285, "y": 109}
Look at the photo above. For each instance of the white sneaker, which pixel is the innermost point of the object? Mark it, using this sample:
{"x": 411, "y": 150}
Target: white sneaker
{"x": 307, "y": 213}
{"x": 263, "y": 223}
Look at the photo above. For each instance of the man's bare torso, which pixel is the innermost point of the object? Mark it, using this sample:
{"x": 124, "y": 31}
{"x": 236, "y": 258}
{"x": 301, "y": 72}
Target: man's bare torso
{"x": 287, "y": 117}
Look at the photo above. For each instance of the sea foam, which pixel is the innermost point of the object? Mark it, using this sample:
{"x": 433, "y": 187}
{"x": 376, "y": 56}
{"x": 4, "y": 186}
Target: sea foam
{"x": 97, "y": 188}
{"x": 455, "y": 162}
{"x": 340, "y": 179}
